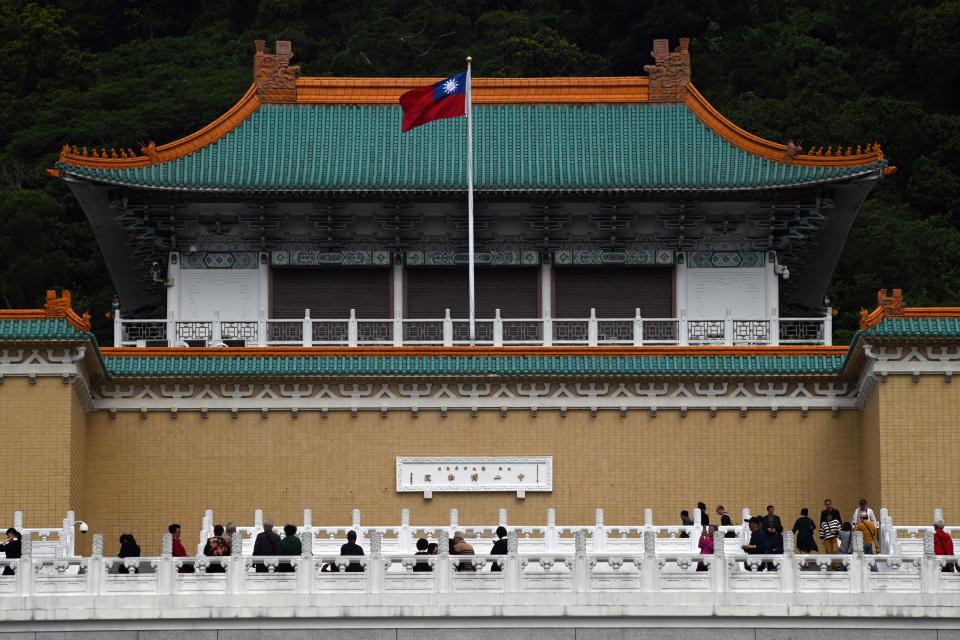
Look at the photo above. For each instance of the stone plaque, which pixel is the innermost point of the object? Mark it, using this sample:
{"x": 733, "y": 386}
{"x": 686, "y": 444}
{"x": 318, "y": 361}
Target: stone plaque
{"x": 466, "y": 474}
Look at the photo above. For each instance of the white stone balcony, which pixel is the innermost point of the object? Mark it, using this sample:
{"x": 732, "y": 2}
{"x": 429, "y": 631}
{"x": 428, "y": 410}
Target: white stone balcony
{"x": 496, "y": 331}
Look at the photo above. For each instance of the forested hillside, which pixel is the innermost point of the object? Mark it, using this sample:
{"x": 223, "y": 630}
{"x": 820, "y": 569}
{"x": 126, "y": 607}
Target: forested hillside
{"x": 842, "y": 72}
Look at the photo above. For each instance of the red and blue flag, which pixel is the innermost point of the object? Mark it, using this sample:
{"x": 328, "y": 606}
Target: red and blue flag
{"x": 445, "y": 99}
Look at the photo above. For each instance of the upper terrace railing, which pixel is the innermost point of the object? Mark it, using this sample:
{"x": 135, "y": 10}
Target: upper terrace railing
{"x": 496, "y": 331}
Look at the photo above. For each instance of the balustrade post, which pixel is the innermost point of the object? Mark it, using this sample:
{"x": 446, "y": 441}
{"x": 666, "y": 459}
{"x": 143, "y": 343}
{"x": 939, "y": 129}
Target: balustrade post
{"x": 206, "y": 529}
{"x": 599, "y": 534}
{"x": 398, "y": 332}
{"x": 497, "y": 328}
{"x": 695, "y": 532}
{"x": 547, "y": 331}
{"x": 581, "y": 567}
{"x": 857, "y": 562}
{"x": 355, "y": 525}
{"x": 262, "y": 328}
{"x": 454, "y": 521}
{"x": 305, "y": 568}
{"x": 728, "y": 328}
{"x": 447, "y": 328}
{"x": 788, "y": 567}
{"x": 511, "y": 569}
{"x": 929, "y": 567}
{"x": 117, "y": 326}
{"x": 405, "y": 541}
{"x": 165, "y": 569}
{"x": 828, "y": 327}
{"x": 883, "y": 545}
{"x": 443, "y": 569}
{"x": 745, "y": 526}
{"x": 352, "y": 338}
{"x": 308, "y": 520}
{"x": 24, "y": 568}
{"x": 171, "y": 329}
{"x": 637, "y": 329}
{"x": 306, "y": 332}
{"x": 592, "y": 329}
{"x": 718, "y": 568}
{"x": 237, "y": 570}
{"x": 650, "y": 579}
{"x": 95, "y": 566}
{"x": 216, "y": 335}
{"x": 502, "y": 518}
{"x": 375, "y": 568}
{"x": 67, "y": 536}
{"x": 18, "y": 520}
{"x": 551, "y": 538}
{"x": 683, "y": 331}
{"x": 938, "y": 515}
{"x": 648, "y": 517}
{"x": 775, "y": 327}
{"x": 258, "y": 521}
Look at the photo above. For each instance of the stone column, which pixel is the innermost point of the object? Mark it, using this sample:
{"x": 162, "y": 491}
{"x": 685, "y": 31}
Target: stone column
{"x": 237, "y": 570}
{"x": 443, "y": 569}
{"x": 788, "y": 569}
{"x": 857, "y": 563}
{"x": 24, "y": 570}
{"x": 599, "y": 534}
{"x": 651, "y": 564}
{"x": 165, "y": 569}
{"x": 305, "y": 567}
{"x": 95, "y": 566}
{"x": 929, "y": 567}
{"x": 375, "y": 568}
{"x": 718, "y": 570}
{"x": 405, "y": 542}
{"x": 511, "y": 569}
{"x": 551, "y": 539}
{"x": 581, "y": 568}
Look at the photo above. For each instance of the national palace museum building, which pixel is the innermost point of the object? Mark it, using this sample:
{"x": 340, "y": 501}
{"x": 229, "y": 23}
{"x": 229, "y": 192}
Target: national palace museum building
{"x": 291, "y": 327}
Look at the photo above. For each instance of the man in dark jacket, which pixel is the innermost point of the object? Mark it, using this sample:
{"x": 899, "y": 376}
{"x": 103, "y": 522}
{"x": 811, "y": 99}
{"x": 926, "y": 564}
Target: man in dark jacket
{"x": 829, "y": 513}
{"x": 11, "y": 547}
{"x": 499, "y": 547}
{"x": 758, "y": 541}
{"x": 266, "y": 544}
{"x": 351, "y": 548}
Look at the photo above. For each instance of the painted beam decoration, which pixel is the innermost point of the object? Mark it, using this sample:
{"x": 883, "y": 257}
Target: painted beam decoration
{"x": 472, "y": 474}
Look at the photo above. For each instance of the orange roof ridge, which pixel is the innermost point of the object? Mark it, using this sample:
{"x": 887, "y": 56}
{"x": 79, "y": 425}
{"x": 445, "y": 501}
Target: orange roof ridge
{"x": 777, "y": 152}
{"x": 152, "y": 154}
{"x": 54, "y": 307}
{"x": 891, "y": 305}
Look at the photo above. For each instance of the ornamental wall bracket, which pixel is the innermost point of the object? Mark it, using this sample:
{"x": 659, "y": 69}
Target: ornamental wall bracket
{"x": 275, "y": 78}
{"x": 670, "y": 75}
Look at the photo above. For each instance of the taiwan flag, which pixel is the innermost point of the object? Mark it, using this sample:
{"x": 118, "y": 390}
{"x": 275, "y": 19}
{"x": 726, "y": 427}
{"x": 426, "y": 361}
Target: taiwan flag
{"x": 446, "y": 99}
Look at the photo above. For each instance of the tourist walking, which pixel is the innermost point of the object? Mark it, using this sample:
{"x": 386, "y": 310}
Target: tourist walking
{"x": 803, "y": 529}
{"x": 758, "y": 541}
{"x": 864, "y": 510}
{"x": 178, "y": 550}
{"x": 846, "y": 538}
{"x": 704, "y": 516}
{"x": 351, "y": 548}
{"x": 267, "y": 543}
{"x": 423, "y": 549}
{"x": 830, "y": 534}
{"x": 216, "y": 546}
{"x": 128, "y": 549}
{"x": 705, "y": 544}
{"x": 11, "y": 548}
{"x": 771, "y": 521}
{"x": 290, "y": 545}
{"x": 499, "y": 547}
{"x": 943, "y": 545}
{"x": 686, "y": 521}
{"x": 726, "y": 521}
{"x": 462, "y": 548}
{"x": 869, "y": 531}
{"x": 829, "y": 513}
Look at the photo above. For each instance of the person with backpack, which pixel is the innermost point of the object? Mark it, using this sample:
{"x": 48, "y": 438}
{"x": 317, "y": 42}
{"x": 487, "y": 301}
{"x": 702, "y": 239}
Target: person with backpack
{"x": 266, "y": 544}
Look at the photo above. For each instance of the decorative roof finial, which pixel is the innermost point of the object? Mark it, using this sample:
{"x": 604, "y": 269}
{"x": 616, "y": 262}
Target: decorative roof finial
{"x": 670, "y": 75}
{"x": 276, "y": 80}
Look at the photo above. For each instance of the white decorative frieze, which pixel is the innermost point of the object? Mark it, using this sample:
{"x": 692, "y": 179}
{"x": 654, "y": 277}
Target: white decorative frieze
{"x": 474, "y": 474}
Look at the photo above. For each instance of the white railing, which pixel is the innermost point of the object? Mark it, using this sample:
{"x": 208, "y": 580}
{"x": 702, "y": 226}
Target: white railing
{"x": 496, "y": 331}
{"x": 574, "y": 570}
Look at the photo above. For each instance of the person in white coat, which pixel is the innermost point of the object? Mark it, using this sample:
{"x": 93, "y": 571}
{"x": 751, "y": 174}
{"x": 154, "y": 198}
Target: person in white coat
{"x": 863, "y": 508}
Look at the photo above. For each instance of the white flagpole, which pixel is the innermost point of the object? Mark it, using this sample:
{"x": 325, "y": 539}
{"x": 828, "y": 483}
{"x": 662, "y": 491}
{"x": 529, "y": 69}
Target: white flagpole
{"x": 473, "y": 332}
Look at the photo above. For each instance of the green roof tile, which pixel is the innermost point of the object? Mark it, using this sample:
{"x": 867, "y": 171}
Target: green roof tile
{"x": 569, "y": 147}
{"x": 916, "y": 327}
{"x": 40, "y": 329}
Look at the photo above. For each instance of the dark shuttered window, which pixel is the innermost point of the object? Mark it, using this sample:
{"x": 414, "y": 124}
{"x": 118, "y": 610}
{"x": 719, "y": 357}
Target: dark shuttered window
{"x": 512, "y": 290}
{"x": 330, "y": 293}
{"x": 615, "y": 292}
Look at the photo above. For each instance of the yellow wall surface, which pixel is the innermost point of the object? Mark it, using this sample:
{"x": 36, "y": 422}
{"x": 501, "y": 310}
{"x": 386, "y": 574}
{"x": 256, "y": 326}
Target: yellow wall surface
{"x": 146, "y": 473}
{"x": 134, "y": 474}
{"x": 919, "y": 447}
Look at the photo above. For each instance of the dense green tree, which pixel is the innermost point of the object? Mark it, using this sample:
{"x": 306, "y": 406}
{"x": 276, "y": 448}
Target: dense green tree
{"x": 829, "y": 72}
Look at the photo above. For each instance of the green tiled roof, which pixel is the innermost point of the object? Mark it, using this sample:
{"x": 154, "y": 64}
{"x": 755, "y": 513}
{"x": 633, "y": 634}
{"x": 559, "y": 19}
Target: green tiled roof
{"x": 519, "y": 147}
{"x": 916, "y": 327}
{"x": 40, "y": 329}
{"x": 461, "y": 365}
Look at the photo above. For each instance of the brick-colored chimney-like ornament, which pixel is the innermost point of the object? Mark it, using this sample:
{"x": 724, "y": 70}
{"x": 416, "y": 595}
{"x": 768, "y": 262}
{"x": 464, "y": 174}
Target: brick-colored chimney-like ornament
{"x": 892, "y": 305}
{"x": 275, "y": 78}
{"x": 670, "y": 75}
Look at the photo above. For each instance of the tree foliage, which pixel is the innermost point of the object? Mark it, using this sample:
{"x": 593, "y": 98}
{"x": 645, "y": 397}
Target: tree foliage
{"x": 829, "y": 72}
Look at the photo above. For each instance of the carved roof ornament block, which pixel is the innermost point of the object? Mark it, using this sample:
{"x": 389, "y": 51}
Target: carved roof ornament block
{"x": 670, "y": 75}
{"x": 275, "y": 78}
{"x": 892, "y": 305}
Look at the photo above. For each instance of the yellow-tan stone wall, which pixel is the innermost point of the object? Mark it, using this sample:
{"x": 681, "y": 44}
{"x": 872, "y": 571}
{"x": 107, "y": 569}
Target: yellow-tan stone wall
{"x": 134, "y": 474}
{"x": 919, "y": 430}
{"x": 35, "y": 450}
{"x": 173, "y": 469}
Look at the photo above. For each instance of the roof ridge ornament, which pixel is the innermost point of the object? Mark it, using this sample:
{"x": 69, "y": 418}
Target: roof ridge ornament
{"x": 670, "y": 75}
{"x": 274, "y": 77}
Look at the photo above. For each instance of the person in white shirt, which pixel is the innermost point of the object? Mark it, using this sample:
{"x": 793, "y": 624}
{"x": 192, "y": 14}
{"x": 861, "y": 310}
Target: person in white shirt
{"x": 863, "y": 508}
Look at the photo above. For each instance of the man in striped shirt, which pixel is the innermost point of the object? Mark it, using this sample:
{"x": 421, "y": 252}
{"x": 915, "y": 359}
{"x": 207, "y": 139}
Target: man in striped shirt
{"x": 830, "y": 532}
